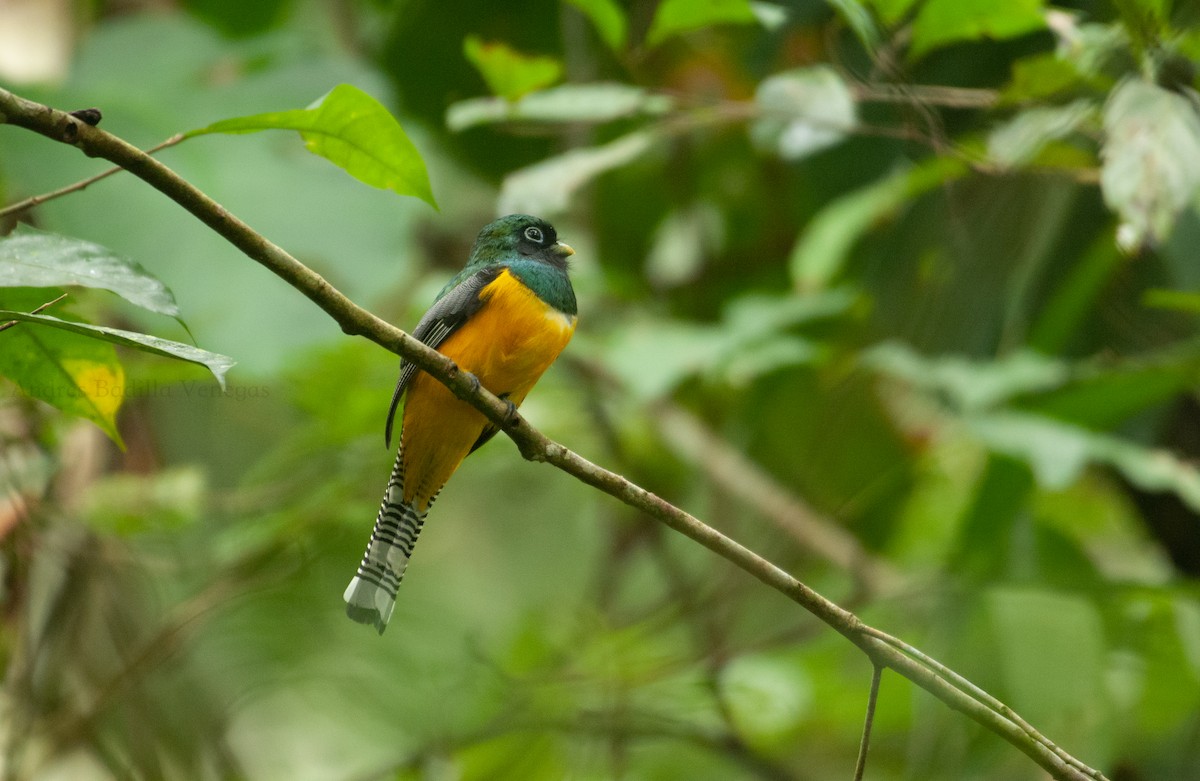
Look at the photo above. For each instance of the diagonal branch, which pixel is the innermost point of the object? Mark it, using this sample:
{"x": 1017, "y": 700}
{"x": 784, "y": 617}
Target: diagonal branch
{"x": 881, "y": 649}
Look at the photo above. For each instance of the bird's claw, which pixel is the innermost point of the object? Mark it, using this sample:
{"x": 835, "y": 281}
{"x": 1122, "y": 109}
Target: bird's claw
{"x": 510, "y": 414}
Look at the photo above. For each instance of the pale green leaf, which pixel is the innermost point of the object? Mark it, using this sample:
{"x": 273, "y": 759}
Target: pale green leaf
{"x": 943, "y": 22}
{"x": 1058, "y": 452}
{"x": 803, "y": 111}
{"x": 608, "y": 17}
{"x": 768, "y": 697}
{"x": 682, "y": 243}
{"x": 215, "y": 363}
{"x": 590, "y": 103}
{"x": 1019, "y": 140}
{"x": 674, "y": 17}
{"x": 1151, "y": 160}
{"x": 33, "y": 258}
{"x": 970, "y": 385}
{"x": 351, "y": 129}
{"x": 507, "y": 72}
{"x": 546, "y": 187}
{"x": 771, "y": 16}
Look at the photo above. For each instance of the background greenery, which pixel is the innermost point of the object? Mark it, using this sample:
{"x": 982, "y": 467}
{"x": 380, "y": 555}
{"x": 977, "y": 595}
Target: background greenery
{"x": 919, "y": 270}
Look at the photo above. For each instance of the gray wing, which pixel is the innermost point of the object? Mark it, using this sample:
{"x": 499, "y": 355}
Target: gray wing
{"x": 445, "y": 317}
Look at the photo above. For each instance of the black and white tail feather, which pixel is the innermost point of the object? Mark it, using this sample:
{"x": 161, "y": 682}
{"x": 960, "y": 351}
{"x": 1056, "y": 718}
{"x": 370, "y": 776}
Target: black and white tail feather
{"x": 371, "y": 595}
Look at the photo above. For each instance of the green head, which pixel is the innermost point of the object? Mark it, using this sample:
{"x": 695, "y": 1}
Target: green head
{"x": 519, "y": 237}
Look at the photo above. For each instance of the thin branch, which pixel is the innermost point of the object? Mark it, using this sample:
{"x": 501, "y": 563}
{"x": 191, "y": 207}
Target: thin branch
{"x": 533, "y": 445}
{"x": 29, "y": 203}
{"x": 930, "y": 95}
{"x": 690, "y": 439}
{"x": 861, "y": 765}
{"x": 38, "y": 311}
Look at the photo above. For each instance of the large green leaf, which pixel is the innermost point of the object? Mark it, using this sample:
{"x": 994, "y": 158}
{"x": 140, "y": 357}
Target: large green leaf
{"x": 351, "y": 129}
{"x": 508, "y": 72}
{"x": 33, "y": 258}
{"x": 215, "y": 363}
{"x": 943, "y": 22}
{"x": 1151, "y": 160}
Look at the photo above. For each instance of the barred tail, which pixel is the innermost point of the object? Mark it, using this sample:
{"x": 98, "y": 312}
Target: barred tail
{"x": 371, "y": 595}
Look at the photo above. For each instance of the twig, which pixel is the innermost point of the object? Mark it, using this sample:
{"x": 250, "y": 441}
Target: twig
{"x": 930, "y": 95}
{"x": 39, "y": 310}
{"x": 861, "y": 765}
{"x": 533, "y": 445}
{"x": 30, "y": 202}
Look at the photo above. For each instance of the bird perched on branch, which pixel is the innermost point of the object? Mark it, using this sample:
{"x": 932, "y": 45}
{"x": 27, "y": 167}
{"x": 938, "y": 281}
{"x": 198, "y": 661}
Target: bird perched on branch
{"x": 504, "y": 318}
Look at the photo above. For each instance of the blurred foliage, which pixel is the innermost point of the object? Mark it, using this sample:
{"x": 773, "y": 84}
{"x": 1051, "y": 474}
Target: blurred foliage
{"x": 925, "y": 266}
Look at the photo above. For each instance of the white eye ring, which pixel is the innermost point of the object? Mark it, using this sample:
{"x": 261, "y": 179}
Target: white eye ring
{"x": 534, "y": 234}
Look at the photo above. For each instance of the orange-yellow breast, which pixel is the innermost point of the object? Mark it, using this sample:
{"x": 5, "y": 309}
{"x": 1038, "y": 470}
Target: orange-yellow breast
{"x": 507, "y": 344}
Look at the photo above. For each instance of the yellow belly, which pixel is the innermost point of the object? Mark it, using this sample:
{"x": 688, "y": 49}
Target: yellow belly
{"x": 507, "y": 344}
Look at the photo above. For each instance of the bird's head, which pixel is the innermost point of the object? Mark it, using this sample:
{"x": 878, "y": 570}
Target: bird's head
{"x": 520, "y": 235}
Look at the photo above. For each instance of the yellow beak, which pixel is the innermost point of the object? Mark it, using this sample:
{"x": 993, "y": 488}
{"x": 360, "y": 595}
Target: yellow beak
{"x": 563, "y": 249}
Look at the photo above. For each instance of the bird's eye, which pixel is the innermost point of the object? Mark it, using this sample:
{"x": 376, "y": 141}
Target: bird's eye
{"x": 534, "y": 234}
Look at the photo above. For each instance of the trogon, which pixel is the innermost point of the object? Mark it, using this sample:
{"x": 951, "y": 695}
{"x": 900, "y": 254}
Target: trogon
{"x": 504, "y": 318}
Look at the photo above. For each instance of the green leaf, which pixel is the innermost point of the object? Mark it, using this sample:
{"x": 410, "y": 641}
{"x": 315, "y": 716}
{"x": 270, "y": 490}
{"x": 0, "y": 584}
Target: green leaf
{"x": 215, "y": 363}
{"x": 683, "y": 242}
{"x": 33, "y": 258}
{"x": 1151, "y": 160}
{"x": 943, "y": 22}
{"x": 546, "y": 187}
{"x": 674, "y": 17}
{"x": 1172, "y": 300}
{"x": 803, "y": 111}
{"x": 77, "y": 375}
{"x": 1058, "y": 452}
{"x": 970, "y": 385}
{"x": 1040, "y": 76}
{"x": 653, "y": 357}
{"x": 823, "y": 248}
{"x": 608, "y": 18}
{"x": 600, "y": 102}
{"x": 352, "y": 130}
{"x": 858, "y": 17}
{"x": 509, "y": 73}
{"x": 1018, "y": 141}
